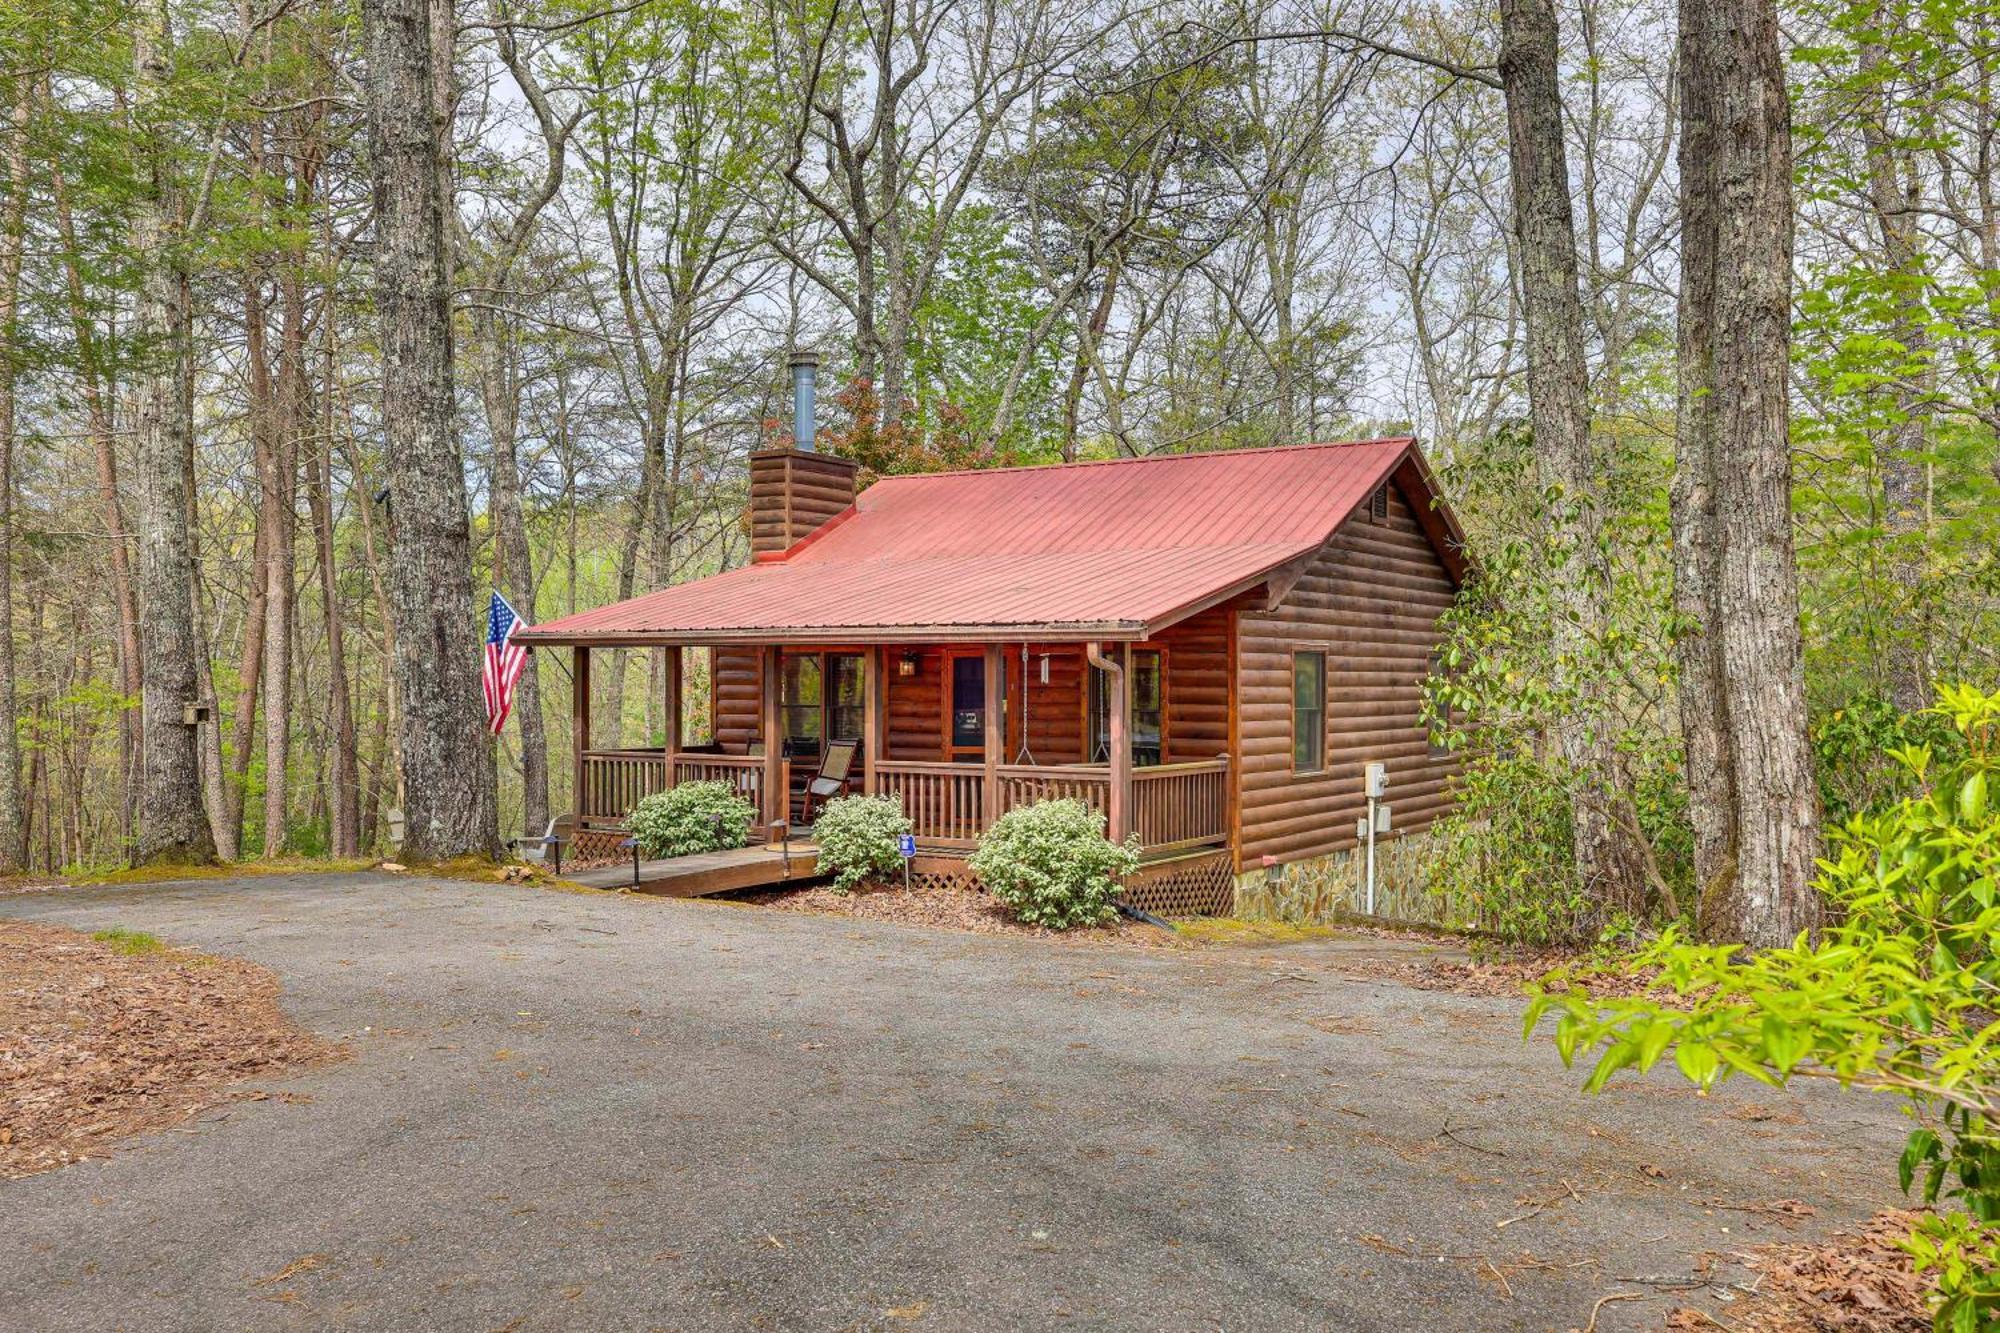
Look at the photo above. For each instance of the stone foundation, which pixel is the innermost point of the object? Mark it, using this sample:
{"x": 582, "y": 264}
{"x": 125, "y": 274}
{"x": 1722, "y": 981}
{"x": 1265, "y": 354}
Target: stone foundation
{"x": 1327, "y": 888}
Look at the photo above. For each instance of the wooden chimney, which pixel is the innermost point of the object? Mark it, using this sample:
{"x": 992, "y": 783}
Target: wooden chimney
{"x": 794, "y": 491}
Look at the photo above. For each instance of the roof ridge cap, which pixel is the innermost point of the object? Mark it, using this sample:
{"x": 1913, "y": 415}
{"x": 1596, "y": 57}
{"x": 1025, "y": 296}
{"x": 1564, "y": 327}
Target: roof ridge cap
{"x": 1148, "y": 458}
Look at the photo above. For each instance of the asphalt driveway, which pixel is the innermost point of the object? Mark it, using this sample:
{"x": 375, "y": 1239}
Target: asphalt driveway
{"x": 583, "y": 1111}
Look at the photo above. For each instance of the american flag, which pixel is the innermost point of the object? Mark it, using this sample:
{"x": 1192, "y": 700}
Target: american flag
{"x": 504, "y": 660}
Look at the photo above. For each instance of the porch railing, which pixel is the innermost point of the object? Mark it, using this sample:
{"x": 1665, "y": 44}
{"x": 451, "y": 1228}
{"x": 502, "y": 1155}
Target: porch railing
{"x": 1025, "y": 784}
{"x": 744, "y": 772}
{"x": 1176, "y": 806}
{"x": 945, "y": 802}
{"x": 616, "y": 780}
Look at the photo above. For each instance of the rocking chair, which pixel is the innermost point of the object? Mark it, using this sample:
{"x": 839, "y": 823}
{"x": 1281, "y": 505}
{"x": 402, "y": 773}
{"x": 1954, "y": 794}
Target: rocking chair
{"x": 831, "y": 780}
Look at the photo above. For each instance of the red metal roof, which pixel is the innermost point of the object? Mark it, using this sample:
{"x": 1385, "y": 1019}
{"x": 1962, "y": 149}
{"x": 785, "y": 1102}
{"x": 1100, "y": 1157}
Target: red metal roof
{"x": 1111, "y": 549}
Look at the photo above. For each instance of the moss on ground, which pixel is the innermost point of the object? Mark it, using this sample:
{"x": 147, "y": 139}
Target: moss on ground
{"x": 166, "y": 874}
{"x": 131, "y": 942}
{"x": 1230, "y": 930}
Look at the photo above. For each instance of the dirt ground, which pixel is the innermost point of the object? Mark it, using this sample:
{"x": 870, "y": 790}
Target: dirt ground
{"x": 955, "y": 908}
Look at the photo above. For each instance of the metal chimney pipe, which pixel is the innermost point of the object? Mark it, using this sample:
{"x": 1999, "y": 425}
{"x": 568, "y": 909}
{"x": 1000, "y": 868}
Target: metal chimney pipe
{"x": 805, "y": 369}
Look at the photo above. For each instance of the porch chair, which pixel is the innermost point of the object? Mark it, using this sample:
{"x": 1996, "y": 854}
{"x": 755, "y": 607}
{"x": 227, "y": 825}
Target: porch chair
{"x": 831, "y": 780}
{"x": 561, "y": 832}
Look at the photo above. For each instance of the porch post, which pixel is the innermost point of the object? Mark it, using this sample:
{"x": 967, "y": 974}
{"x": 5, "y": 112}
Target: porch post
{"x": 996, "y": 730}
{"x": 670, "y": 679}
{"x": 871, "y": 715}
{"x": 777, "y": 801}
{"x": 1119, "y": 819}
{"x": 579, "y": 723}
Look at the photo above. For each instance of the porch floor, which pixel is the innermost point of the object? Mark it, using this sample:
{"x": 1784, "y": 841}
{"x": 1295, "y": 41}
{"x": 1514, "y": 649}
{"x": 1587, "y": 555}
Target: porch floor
{"x": 702, "y": 873}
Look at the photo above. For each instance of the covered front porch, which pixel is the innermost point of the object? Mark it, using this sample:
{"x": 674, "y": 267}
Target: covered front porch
{"x": 958, "y": 732}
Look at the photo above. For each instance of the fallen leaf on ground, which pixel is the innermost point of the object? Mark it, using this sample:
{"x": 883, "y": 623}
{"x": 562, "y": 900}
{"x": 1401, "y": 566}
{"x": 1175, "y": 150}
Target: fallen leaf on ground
{"x": 99, "y": 1044}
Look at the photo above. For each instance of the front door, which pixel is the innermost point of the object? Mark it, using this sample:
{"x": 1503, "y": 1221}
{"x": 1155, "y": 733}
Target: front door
{"x": 965, "y": 706}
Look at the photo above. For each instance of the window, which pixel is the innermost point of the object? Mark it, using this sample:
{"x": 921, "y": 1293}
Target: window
{"x": 799, "y": 700}
{"x": 1308, "y": 712}
{"x": 846, "y": 700}
{"x": 1148, "y": 683}
{"x": 821, "y": 699}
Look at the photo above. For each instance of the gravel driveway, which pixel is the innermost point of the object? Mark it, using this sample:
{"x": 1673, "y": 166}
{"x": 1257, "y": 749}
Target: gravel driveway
{"x": 590, "y": 1111}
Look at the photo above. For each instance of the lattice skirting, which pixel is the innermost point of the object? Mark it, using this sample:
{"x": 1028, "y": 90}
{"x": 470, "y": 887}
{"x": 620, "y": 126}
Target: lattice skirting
{"x": 595, "y": 844}
{"x": 938, "y": 874}
{"x": 1199, "y": 885}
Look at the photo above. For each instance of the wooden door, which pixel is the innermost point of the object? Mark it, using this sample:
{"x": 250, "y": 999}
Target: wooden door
{"x": 964, "y": 703}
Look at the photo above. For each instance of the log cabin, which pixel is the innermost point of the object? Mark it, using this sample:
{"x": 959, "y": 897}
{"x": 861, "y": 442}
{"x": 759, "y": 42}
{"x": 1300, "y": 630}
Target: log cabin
{"x": 1208, "y": 648}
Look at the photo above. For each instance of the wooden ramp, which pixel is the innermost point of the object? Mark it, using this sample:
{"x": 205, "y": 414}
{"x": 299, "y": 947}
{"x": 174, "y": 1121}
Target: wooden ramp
{"x": 706, "y": 872}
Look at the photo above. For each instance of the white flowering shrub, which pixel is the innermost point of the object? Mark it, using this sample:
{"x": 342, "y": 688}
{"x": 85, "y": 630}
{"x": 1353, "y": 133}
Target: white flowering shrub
{"x": 693, "y": 817}
{"x": 857, "y": 838}
{"x": 1051, "y": 864}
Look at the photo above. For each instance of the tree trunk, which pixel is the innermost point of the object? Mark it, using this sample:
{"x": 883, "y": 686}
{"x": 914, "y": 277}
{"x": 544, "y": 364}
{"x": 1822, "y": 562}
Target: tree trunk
{"x": 13, "y": 841}
{"x": 1902, "y": 465}
{"x": 346, "y": 813}
{"x": 91, "y": 378}
{"x": 174, "y": 827}
{"x": 1737, "y": 289}
{"x": 447, "y": 757}
{"x": 513, "y": 560}
{"x": 292, "y": 423}
{"x": 1710, "y": 765}
{"x": 1607, "y": 858}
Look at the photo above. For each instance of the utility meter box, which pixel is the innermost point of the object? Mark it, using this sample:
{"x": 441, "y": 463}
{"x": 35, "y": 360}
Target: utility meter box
{"x": 1382, "y": 818}
{"x": 1375, "y": 781}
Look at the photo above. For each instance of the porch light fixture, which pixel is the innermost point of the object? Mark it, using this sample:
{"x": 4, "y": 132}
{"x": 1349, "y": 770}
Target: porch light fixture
{"x": 906, "y": 665}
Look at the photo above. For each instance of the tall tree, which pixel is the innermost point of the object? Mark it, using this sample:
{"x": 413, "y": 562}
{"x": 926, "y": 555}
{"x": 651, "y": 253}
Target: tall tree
{"x": 173, "y": 824}
{"x": 1607, "y": 858}
{"x": 901, "y": 102}
{"x": 94, "y": 381}
{"x": 487, "y": 267}
{"x": 1895, "y": 197}
{"x": 13, "y": 228}
{"x": 1752, "y": 780}
{"x": 447, "y": 759}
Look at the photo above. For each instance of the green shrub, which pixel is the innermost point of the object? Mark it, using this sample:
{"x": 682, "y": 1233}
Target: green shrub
{"x": 693, "y": 817}
{"x": 1896, "y": 997}
{"x": 1051, "y": 864}
{"x": 857, "y": 838}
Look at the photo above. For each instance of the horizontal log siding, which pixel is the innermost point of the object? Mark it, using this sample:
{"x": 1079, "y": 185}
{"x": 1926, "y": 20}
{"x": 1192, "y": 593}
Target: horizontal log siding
{"x": 1197, "y": 698}
{"x": 916, "y": 716}
{"x": 793, "y": 493}
{"x": 733, "y": 691}
{"x": 1055, "y": 710}
{"x": 1371, "y": 603}
{"x": 1197, "y": 686}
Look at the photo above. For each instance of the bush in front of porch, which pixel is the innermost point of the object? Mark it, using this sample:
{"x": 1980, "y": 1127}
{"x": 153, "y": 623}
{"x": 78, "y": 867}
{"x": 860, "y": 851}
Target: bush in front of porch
{"x": 1051, "y": 864}
{"x": 693, "y": 817}
{"x": 857, "y": 837}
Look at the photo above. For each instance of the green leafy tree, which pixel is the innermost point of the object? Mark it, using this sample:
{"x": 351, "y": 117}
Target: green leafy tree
{"x": 1897, "y": 996}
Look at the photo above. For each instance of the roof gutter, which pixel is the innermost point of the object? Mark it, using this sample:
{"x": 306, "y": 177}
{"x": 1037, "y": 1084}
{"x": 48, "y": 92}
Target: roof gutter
{"x": 1110, "y": 630}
